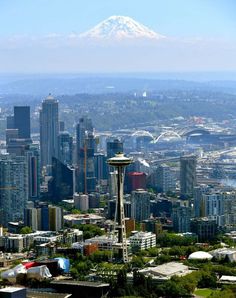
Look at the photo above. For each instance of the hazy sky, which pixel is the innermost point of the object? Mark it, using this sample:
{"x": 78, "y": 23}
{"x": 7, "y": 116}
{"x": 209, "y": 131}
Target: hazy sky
{"x": 210, "y": 22}
{"x": 212, "y": 18}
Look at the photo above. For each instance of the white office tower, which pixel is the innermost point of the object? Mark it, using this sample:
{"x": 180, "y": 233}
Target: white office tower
{"x": 13, "y": 188}
{"x": 140, "y": 205}
{"x": 81, "y": 201}
{"x": 49, "y": 130}
{"x": 142, "y": 240}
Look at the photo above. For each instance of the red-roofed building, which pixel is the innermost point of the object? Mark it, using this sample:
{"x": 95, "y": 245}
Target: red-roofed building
{"x": 136, "y": 180}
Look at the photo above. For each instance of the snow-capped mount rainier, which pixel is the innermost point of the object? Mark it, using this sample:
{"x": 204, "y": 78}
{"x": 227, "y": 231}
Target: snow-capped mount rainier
{"x": 119, "y": 28}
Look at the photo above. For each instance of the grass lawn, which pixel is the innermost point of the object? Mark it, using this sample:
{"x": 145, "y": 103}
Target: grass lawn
{"x": 204, "y": 292}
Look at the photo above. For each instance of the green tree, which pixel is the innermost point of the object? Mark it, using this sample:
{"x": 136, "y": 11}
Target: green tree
{"x": 208, "y": 279}
{"x": 26, "y": 230}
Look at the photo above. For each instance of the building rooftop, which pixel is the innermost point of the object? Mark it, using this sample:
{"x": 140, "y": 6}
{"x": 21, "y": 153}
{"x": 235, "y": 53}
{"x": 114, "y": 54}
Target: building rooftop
{"x": 82, "y": 216}
{"x": 167, "y": 270}
{"x": 81, "y": 283}
{"x": 10, "y": 290}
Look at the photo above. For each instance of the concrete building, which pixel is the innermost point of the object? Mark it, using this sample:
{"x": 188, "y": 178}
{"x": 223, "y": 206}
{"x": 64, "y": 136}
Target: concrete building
{"x": 112, "y": 184}
{"x": 140, "y": 205}
{"x": 103, "y": 242}
{"x": 55, "y": 218}
{"x": 164, "y": 179}
{"x": 44, "y": 217}
{"x": 204, "y": 228}
{"x": 79, "y": 219}
{"x": 81, "y": 201}
{"x": 13, "y": 187}
{"x": 166, "y": 271}
{"x": 142, "y": 240}
{"x": 181, "y": 216}
{"x": 224, "y": 253}
{"x": 213, "y": 207}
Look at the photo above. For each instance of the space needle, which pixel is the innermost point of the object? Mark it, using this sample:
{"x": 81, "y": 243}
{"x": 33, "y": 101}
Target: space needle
{"x": 120, "y": 162}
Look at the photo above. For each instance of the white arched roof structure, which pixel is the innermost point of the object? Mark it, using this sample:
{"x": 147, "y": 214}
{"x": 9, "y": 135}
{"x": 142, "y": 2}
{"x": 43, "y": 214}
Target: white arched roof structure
{"x": 169, "y": 132}
{"x": 143, "y": 133}
{"x": 200, "y": 255}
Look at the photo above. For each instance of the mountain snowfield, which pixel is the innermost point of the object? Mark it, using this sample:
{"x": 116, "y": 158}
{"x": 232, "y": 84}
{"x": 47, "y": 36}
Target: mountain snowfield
{"x": 119, "y": 28}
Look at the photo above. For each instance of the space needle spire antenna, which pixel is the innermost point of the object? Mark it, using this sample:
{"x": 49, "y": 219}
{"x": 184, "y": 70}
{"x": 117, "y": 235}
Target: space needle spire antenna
{"x": 120, "y": 162}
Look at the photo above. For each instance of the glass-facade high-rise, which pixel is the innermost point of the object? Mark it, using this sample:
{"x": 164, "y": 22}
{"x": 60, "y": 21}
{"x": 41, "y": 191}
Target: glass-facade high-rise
{"x": 113, "y": 147}
{"x": 65, "y": 148}
{"x": 22, "y": 121}
{"x": 49, "y": 130}
{"x": 86, "y": 147}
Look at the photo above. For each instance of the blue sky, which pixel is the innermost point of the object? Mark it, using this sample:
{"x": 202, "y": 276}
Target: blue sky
{"x": 202, "y": 36}
{"x": 182, "y": 18}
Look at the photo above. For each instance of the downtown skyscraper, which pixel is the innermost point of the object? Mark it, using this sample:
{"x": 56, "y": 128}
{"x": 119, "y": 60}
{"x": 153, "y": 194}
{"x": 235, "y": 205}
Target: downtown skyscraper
{"x": 86, "y": 147}
{"x": 49, "y": 130}
{"x": 188, "y": 178}
{"x": 22, "y": 121}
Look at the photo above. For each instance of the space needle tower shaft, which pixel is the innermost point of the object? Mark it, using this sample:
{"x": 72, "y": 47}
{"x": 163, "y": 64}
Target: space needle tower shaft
{"x": 120, "y": 162}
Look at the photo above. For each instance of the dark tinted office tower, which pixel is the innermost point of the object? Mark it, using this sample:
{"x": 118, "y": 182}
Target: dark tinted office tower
{"x": 114, "y": 147}
{"x": 65, "y": 148}
{"x": 44, "y": 216}
{"x": 89, "y": 169}
{"x": 181, "y": 216}
{"x": 62, "y": 180}
{"x": 49, "y": 129}
{"x": 18, "y": 146}
{"x": 83, "y": 127}
{"x": 10, "y": 122}
{"x": 94, "y": 200}
{"x": 86, "y": 144}
{"x": 22, "y": 121}
{"x": 61, "y": 126}
{"x": 11, "y": 133}
{"x": 188, "y": 178}
{"x": 101, "y": 171}
{"x": 32, "y": 155}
